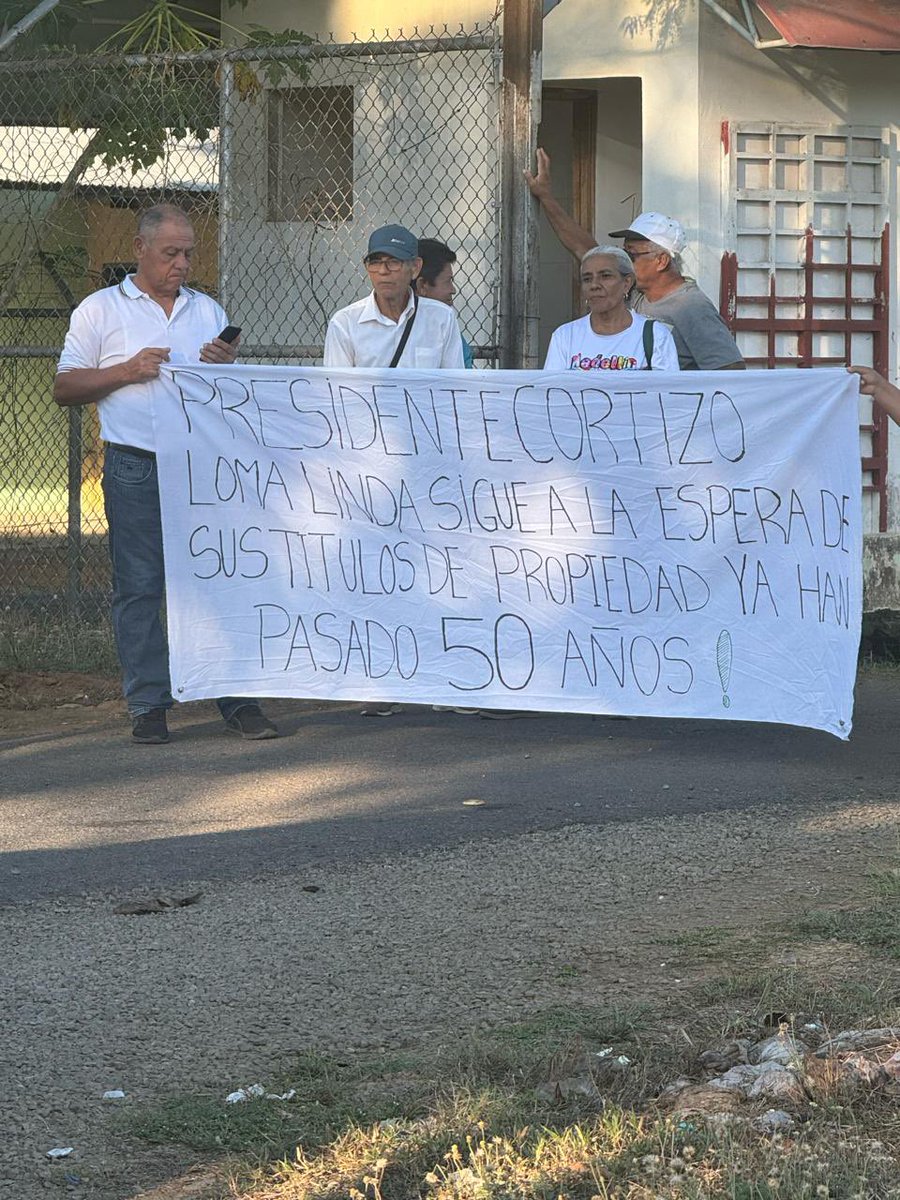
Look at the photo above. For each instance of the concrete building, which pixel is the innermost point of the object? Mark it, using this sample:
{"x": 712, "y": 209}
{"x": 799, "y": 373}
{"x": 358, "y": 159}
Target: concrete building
{"x": 769, "y": 129}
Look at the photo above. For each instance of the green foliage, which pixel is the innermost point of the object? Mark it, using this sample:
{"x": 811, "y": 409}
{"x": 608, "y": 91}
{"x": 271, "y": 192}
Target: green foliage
{"x": 163, "y": 28}
{"x": 273, "y": 1128}
{"x": 276, "y": 72}
{"x": 133, "y": 112}
{"x": 137, "y": 110}
{"x": 271, "y": 37}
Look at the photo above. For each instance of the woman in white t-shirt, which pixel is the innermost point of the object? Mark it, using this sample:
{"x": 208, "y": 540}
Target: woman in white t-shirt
{"x": 610, "y": 337}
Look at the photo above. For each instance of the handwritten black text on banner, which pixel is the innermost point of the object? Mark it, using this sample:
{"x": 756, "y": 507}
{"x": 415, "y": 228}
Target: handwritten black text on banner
{"x": 684, "y": 545}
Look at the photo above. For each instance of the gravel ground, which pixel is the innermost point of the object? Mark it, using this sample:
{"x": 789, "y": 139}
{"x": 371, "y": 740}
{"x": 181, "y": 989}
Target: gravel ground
{"x": 220, "y": 994}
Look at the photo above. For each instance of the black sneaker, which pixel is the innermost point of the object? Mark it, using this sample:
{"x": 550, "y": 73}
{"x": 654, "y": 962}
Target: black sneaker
{"x": 251, "y": 723}
{"x": 150, "y": 728}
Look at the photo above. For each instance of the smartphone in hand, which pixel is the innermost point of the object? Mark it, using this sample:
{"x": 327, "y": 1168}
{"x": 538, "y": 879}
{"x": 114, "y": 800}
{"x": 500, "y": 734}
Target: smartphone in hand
{"x": 229, "y": 333}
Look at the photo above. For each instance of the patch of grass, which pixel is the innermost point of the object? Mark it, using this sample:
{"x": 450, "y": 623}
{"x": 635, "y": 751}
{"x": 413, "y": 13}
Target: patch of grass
{"x": 330, "y": 1095}
{"x": 49, "y": 644}
{"x": 784, "y": 989}
{"x": 877, "y": 926}
{"x": 606, "y": 1023}
{"x": 753, "y": 996}
{"x": 469, "y": 1148}
{"x": 466, "y": 1148}
{"x": 707, "y": 937}
{"x": 207, "y": 1124}
{"x": 886, "y": 883}
{"x": 497, "y": 1073}
{"x": 513, "y": 1055}
{"x": 566, "y": 973}
{"x": 262, "y": 1129}
{"x": 478, "y": 1121}
{"x": 488, "y": 1117}
{"x": 714, "y": 943}
{"x": 43, "y": 509}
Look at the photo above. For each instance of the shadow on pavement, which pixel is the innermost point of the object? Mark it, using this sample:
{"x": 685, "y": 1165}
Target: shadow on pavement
{"x": 90, "y": 811}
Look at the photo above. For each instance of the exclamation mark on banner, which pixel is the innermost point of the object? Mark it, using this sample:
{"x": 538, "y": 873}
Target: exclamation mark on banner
{"x": 723, "y": 662}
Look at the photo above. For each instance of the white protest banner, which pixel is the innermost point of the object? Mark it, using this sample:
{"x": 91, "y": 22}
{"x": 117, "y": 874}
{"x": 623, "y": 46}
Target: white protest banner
{"x": 681, "y": 545}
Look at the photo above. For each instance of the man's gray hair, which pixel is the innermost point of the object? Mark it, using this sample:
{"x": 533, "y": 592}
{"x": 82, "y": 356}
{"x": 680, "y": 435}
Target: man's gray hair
{"x": 674, "y": 259}
{"x": 621, "y": 259}
{"x": 152, "y": 218}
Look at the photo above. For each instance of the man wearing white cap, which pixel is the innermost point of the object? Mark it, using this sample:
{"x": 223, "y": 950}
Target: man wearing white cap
{"x": 654, "y": 243}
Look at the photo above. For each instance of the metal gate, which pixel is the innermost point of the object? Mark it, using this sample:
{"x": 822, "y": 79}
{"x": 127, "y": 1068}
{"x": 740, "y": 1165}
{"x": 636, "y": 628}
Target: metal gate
{"x": 808, "y": 282}
{"x": 805, "y": 327}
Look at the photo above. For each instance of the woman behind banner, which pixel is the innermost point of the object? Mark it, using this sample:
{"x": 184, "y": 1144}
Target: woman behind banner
{"x": 610, "y": 337}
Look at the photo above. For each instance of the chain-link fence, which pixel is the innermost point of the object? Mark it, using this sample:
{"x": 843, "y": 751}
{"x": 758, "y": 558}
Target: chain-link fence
{"x": 285, "y": 157}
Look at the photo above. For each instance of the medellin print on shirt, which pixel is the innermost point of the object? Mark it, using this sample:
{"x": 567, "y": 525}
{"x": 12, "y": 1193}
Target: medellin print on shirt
{"x": 600, "y": 362}
{"x": 575, "y": 347}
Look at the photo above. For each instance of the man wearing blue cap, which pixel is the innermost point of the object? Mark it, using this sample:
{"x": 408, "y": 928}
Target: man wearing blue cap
{"x": 394, "y": 326}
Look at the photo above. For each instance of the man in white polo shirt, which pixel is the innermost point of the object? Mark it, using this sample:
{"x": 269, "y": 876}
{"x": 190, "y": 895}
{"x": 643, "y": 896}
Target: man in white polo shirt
{"x": 117, "y": 340}
{"x": 393, "y": 326}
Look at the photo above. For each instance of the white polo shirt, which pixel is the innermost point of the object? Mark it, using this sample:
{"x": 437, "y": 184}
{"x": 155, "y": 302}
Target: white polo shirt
{"x": 112, "y": 325}
{"x": 360, "y": 335}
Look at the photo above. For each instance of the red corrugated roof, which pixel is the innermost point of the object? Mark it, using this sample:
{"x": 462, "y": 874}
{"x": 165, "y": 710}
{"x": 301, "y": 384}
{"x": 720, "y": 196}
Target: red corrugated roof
{"x": 841, "y": 24}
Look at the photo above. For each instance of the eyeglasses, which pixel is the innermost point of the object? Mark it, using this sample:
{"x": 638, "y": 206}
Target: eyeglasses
{"x": 633, "y": 254}
{"x": 385, "y": 264}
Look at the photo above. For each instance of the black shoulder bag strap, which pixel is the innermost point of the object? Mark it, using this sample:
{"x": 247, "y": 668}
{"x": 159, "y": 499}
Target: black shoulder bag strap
{"x": 401, "y": 345}
{"x": 648, "y": 343}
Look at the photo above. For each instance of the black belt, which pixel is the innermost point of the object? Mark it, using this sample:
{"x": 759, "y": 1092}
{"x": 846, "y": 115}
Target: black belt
{"x": 135, "y": 450}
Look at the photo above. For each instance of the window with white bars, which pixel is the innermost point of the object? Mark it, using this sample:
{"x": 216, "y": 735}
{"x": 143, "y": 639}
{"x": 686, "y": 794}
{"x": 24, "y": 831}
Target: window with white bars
{"x": 809, "y": 213}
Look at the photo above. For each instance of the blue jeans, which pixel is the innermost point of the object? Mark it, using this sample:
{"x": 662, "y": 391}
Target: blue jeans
{"x": 131, "y": 500}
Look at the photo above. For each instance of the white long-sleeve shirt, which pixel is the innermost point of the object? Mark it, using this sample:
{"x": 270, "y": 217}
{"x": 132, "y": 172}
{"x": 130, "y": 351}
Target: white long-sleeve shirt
{"x": 360, "y": 335}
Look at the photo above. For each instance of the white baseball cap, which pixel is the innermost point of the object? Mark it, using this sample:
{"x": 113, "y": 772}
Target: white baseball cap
{"x": 655, "y": 227}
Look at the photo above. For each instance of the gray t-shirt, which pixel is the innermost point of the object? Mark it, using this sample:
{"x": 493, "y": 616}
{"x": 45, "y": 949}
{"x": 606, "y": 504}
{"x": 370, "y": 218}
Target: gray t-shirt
{"x": 701, "y": 336}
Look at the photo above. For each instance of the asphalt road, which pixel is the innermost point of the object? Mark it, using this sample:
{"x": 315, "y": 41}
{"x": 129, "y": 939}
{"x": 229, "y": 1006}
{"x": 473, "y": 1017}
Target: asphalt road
{"x": 83, "y": 810}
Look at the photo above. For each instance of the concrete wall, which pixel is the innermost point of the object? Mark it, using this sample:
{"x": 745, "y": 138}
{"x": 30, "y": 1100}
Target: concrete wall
{"x": 424, "y": 154}
{"x": 817, "y": 87}
{"x": 619, "y": 185}
{"x": 812, "y": 87}
{"x": 588, "y": 41}
{"x": 881, "y": 572}
{"x": 345, "y": 18}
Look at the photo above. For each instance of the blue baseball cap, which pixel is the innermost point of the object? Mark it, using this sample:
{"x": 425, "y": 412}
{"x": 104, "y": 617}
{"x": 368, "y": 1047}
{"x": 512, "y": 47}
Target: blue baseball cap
{"x": 394, "y": 240}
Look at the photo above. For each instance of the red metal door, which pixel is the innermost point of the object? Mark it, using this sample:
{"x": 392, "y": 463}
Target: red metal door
{"x": 809, "y": 321}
